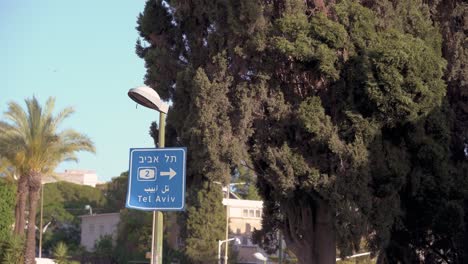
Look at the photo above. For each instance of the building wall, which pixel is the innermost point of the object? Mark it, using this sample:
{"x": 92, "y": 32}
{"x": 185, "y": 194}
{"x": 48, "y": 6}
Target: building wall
{"x": 81, "y": 177}
{"x": 93, "y": 227}
{"x": 244, "y": 217}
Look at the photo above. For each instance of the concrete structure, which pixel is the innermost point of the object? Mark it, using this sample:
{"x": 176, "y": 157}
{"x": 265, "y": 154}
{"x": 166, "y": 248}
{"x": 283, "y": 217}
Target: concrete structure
{"x": 82, "y": 177}
{"x": 95, "y": 226}
{"x": 44, "y": 261}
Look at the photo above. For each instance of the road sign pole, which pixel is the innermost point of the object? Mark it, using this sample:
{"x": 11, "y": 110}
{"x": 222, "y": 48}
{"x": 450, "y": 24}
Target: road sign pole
{"x": 159, "y": 232}
{"x": 158, "y": 218}
{"x": 154, "y": 259}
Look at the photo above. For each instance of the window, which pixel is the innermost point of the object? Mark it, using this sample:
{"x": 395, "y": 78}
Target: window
{"x": 258, "y": 214}
{"x": 251, "y": 213}
{"x": 101, "y": 229}
{"x": 91, "y": 228}
{"x": 245, "y": 213}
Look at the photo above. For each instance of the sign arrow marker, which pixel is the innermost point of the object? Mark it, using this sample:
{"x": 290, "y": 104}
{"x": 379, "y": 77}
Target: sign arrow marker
{"x": 171, "y": 173}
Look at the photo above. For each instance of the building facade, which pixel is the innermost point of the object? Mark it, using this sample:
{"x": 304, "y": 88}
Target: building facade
{"x": 96, "y": 226}
{"x": 244, "y": 217}
{"x": 81, "y": 177}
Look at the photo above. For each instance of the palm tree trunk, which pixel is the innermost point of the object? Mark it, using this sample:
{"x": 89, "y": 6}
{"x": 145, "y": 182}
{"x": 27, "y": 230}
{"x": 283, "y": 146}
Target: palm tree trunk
{"x": 34, "y": 185}
{"x": 21, "y": 196}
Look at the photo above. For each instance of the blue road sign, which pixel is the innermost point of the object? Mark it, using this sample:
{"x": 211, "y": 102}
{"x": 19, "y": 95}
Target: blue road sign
{"x": 156, "y": 179}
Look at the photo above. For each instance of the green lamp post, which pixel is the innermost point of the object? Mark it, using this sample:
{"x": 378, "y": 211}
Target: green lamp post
{"x": 148, "y": 97}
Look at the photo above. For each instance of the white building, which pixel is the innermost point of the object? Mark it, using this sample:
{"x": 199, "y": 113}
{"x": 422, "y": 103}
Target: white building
{"x": 244, "y": 216}
{"x": 81, "y": 177}
{"x": 95, "y": 226}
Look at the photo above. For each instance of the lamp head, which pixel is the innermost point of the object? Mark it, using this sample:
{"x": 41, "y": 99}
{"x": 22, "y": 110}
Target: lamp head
{"x": 260, "y": 256}
{"x": 148, "y": 97}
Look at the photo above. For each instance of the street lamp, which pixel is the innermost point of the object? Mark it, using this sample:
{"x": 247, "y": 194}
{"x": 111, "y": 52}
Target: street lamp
{"x": 42, "y": 229}
{"x": 40, "y": 222}
{"x": 228, "y": 187}
{"x": 88, "y": 207}
{"x": 148, "y": 97}
{"x": 220, "y": 242}
{"x": 261, "y": 257}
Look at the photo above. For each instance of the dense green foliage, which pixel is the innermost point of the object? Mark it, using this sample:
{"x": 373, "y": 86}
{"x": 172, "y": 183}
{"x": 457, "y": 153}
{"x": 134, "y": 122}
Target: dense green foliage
{"x": 341, "y": 108}
{"x": 61, "y": 254}
{"x": 104, "y": 248}
{"x": 7, "y": 207}
{"x": 11, "y": 250}
{"x": 207, "y": 137}
{"x": 63, "y": 203}
{"x": 447, "y": 209}
{"x": 205, "y": 225}
{"x": 134, "y": 235}
{"x": 247, "y": 188}
{"x": 115, "y": 193}
{"x": 11, "y": 246}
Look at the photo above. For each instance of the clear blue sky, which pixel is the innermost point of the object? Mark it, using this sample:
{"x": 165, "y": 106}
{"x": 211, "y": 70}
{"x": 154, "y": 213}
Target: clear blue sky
{"x": 82, "y": 53}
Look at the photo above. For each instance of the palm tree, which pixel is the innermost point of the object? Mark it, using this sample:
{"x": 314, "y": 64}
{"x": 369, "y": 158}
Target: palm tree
{"x": 61, "y": 253}
{"x": 31, "y": 142}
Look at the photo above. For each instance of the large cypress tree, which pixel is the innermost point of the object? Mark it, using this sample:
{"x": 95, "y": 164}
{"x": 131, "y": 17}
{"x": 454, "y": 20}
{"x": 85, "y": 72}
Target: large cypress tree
{"x": 444, "y": 234}
{"x": 340, "y": 107}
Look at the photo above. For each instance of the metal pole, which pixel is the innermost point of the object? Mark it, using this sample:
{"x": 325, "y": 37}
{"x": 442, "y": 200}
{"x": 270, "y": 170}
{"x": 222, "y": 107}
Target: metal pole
{"x": 219, "y": 251}
{"x": 158, "y": 218}
{"x": 227, "y": 226}
{"x": 40, "y": 222}
{"x": 159, "y": 234}
{"x": 153, "y": 240}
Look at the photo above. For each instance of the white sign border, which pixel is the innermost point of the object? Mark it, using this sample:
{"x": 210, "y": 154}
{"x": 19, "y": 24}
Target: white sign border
{"x": 128, "y": 205}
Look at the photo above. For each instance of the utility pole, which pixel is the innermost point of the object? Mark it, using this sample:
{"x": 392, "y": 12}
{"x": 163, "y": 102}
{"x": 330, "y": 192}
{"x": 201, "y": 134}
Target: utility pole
{"x": 227, "y": 225}
{"x": 158, "y": 217}
{"x": 40, "y": 222}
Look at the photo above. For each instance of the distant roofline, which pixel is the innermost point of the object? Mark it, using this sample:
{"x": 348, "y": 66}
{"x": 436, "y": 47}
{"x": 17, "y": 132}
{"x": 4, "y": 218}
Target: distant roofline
{"x": 243, "y": 203}
{"x": 96, "y": 215}
{"x": 76, "y": 171}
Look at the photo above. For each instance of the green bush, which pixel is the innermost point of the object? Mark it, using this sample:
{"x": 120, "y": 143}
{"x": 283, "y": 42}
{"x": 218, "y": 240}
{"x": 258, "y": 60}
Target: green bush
{"x": 61, "y": 253}
{"x": 11, "y": 250}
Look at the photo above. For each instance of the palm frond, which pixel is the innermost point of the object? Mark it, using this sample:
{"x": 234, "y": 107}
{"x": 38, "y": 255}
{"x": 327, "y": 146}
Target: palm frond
{"x": 7, "y": 171}
{"x": 17, "y": 115}
{"x": 62, "y": 115}
{"x": 31, "y": 140}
